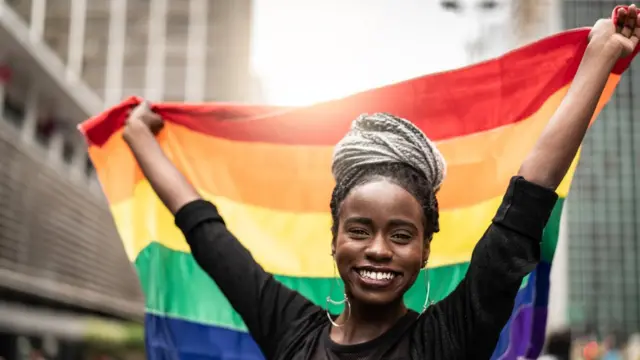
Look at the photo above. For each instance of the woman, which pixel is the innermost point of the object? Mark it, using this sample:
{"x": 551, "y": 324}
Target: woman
{"x": 385, "y": 213}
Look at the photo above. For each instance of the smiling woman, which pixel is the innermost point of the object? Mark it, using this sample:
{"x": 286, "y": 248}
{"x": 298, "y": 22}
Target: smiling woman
{"x": 384, "y": 210}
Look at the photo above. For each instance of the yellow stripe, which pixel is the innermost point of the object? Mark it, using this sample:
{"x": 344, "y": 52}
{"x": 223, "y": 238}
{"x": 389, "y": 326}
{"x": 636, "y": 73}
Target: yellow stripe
{"x": 301, "y": 238}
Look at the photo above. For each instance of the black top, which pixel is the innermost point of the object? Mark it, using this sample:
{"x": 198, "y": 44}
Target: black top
{"x": 464, "y": 325}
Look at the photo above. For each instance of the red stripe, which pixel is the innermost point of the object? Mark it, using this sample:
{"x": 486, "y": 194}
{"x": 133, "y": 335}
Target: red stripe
{"x": 445, "y": 105}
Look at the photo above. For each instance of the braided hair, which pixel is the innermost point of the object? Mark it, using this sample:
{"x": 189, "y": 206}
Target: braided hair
{"x": 383, "y": 146}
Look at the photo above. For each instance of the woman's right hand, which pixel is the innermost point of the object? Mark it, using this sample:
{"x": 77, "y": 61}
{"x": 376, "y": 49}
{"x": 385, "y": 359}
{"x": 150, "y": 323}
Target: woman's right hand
{"x": 143, "y": 116}
{"x": 619, "y": 39}
{"x": 165, "y": 179}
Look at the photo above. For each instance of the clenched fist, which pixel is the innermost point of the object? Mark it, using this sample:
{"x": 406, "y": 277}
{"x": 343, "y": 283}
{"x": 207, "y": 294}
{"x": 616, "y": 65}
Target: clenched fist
{"x": 619, "y": 39}
{"x": 142, "y": 115}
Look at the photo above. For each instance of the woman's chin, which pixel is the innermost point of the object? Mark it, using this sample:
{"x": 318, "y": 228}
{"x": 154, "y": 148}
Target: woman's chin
{"x": 376, "y": 299}
{"x": 376, "y": 296}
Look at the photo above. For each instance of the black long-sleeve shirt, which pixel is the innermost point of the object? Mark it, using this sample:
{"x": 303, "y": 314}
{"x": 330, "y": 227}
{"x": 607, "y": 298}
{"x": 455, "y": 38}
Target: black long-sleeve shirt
{"x": 464, "y": 325}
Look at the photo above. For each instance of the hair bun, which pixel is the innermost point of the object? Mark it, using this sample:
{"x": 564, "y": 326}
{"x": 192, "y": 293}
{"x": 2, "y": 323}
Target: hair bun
{"x": 383, "y": 138}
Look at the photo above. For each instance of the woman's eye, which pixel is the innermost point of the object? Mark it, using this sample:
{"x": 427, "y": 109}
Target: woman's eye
{"x": 402, "y": 237}
{"x": 358, "y": 233}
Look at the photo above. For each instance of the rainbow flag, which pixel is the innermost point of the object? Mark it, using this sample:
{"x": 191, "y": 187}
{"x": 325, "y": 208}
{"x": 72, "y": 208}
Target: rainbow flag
{"x": 268, "y": 171}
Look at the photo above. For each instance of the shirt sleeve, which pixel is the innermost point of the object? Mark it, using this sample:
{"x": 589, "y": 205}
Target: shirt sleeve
{"x": 266, "y": 306}
{"x": 477, "y": 310}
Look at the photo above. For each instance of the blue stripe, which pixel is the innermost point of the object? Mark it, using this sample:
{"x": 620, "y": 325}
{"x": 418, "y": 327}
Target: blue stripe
{"x": 173, "y": 339}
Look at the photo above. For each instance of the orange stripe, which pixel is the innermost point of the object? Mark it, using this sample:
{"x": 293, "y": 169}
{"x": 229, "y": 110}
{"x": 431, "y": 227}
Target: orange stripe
{"x": 280, "y": 177}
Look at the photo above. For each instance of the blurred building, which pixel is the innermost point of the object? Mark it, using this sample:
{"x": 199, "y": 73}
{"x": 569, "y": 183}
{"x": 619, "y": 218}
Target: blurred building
{"x": 171, "y": 50}
{"x": 604, "y": 205}
{"x": 65, "y": 280}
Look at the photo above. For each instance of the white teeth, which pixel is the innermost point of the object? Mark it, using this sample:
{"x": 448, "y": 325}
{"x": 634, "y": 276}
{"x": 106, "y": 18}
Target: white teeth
{"x": 376, "y": 275}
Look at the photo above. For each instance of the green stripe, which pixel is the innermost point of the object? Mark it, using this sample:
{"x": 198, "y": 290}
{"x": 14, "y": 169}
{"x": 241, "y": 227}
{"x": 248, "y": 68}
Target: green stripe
{"x": 191, "y": 295}
{"x": 552, "y": 232}
{"x": 188, "y": 293}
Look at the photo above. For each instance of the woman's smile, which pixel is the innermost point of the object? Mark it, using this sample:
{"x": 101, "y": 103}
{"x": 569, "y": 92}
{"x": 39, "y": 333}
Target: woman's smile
{"x": 377, "y": 278}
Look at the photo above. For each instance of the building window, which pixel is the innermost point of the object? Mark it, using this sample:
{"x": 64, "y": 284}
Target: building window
{"x": 68, "y": 150}
{"x": 14, "y": 111}
{"x": 44, "y": 130}
{"x": 89, "y": 169}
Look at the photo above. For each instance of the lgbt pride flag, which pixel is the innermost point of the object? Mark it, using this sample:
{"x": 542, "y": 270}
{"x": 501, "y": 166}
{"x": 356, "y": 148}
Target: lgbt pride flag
{"x": 268, "y": 171}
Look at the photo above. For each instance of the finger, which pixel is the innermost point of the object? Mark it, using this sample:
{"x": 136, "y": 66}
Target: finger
{"x": 634, "y": 41}
{"x": 621, "y": 18}
{"x": 632, "y": 12}
{"x": 635, "y": 37}
{"x": 153, "y": 115}
{"x": 632, "y": 15}
{"x": 627, "y": 23}
{"x": 146, "y": 109}
{"x": 628, "y": 45}
{"x": 145, "y": 104}
{"x": 139, "y": 111}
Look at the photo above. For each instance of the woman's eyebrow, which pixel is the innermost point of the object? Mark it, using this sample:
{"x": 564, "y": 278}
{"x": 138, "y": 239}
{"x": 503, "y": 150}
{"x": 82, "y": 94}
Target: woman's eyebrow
{"x": 401, "y": 222}
{"x": 359, "y": 220}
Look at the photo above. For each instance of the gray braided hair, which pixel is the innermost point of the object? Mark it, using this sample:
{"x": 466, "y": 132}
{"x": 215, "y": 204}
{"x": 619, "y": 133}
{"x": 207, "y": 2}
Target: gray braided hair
{"x": 383, "y": 145}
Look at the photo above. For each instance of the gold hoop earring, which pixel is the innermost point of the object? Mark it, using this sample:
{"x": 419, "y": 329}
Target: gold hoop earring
{"x": 329, "y": 300}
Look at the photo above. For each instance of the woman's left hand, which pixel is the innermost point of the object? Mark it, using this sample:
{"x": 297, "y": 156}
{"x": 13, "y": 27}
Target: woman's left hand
{"x": 620, "y": 39}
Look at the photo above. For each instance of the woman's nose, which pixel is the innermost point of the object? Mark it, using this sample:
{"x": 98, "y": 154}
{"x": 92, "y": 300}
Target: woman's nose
{"x": 378, "y": 249}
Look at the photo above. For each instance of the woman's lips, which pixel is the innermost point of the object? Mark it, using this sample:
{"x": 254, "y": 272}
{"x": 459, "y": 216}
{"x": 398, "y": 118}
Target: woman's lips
{"x": 376, "y": 278}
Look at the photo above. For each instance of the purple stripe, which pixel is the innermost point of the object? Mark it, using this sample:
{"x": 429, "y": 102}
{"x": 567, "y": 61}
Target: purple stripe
{"x": 541, "y": 303}
{"x": 524, "y": 333}
{"x": 538, "y": 332}
{"x": 523, "y": 339}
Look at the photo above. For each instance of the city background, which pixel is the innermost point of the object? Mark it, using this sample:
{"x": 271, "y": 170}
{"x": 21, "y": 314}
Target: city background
{"x": 67, "y": 290}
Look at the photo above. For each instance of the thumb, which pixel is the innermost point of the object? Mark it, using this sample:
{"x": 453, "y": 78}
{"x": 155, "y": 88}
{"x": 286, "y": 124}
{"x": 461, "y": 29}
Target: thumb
{"x": 140, "y": 110}
{"x": 145, "y": 104}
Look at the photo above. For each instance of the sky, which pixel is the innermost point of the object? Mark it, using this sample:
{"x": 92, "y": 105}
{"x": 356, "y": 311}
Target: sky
{"x": 305, "y": 51}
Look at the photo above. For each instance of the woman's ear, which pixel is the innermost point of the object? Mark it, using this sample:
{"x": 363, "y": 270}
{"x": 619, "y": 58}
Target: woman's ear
{"x": 426, "y": 252}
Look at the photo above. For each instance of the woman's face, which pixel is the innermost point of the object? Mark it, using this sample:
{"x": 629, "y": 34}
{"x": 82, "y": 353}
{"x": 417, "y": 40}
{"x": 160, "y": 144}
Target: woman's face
{"x": 380, "y": 248}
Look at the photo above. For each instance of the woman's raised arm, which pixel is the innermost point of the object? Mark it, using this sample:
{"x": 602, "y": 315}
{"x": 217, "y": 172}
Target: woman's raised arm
{"x": 170, "y": 185}
{"x": 477, "y": 310}
{"x": 266, "y": 306}
{"x": 551, "y": 157}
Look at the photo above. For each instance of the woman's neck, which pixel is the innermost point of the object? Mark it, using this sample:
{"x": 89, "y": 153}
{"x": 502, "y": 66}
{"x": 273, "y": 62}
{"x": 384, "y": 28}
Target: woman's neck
{"x": 366, "y": 322}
